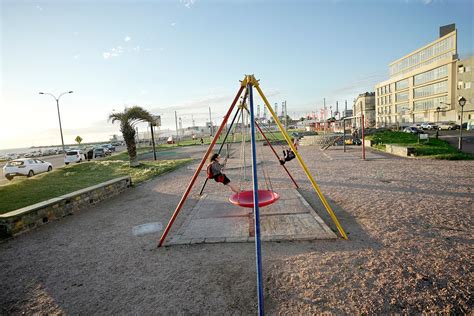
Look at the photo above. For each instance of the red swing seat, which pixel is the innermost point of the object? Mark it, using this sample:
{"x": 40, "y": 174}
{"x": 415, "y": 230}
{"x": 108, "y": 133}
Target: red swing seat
{"x": 245, "y": 198}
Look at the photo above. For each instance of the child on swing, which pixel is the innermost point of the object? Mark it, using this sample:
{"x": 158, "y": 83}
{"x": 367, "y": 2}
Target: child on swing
{"x": 214, "y": 170}
{"x": 288, "y": 154}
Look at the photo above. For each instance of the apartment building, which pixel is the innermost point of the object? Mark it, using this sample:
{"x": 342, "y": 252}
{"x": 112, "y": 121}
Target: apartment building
{"x": 465, "y": 88}
{"x": 422, "y": 84}
{"x": 365, "y": 104}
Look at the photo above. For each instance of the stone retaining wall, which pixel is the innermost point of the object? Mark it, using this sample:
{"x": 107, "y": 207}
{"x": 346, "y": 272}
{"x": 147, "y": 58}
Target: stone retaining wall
{"x": 21, "y": 220}
{"x": 403, "y": 151}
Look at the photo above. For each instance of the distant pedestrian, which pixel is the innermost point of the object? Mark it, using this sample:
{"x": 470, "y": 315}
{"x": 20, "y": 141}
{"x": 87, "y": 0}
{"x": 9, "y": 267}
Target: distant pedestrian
{"x": 202, "y": 141}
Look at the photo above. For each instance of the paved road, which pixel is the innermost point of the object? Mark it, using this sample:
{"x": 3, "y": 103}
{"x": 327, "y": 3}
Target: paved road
{"x": 57, "y": 161}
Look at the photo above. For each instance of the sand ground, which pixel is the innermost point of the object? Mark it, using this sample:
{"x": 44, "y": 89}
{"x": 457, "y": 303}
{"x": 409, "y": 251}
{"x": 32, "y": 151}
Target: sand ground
{"x": 410, "y": 249}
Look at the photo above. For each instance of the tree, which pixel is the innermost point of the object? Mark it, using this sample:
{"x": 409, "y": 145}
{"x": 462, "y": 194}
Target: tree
{"x": 78, "y": 139}
{"x": 128, "y": 119}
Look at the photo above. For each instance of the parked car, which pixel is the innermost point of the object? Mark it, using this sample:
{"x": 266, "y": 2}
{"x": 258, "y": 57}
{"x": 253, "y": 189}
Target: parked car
{"x": 49, "y": 152}
{"x": 25, "y": 167}
{"x": 99, "y": 152}
{"x": 470, "y": 125}
{"x": 429, "y": 126}
{"x": 34, "y": 153}
{"x": 74, "y": 156}
{"x": 412, "y": 130}
{"x": 109, "y": 147}
{"x": 448, "y": 126}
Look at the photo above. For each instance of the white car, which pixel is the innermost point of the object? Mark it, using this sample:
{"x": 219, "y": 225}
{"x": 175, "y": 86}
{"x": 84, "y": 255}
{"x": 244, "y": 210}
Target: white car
{"x": 25, "y": 167}
{"x": 74, "y": 156}
{"x": 33, "y": 153}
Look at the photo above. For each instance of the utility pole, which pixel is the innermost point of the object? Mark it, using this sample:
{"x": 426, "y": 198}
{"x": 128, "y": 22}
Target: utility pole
{"x": 258, "y": 111}
{"x": 324, "y": 114}
{"x": 324, "y": 107}
{"x": 192, "y": 120}
{"x": 286, "y": 116}
{"x": 153, "y": 141}
{"x": 176, "y": 122}
{"x": 210, "y": 122}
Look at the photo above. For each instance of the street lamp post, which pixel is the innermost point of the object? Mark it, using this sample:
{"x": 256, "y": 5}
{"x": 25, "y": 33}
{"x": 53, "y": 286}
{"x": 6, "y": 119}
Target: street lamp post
{"x": 438, "y": 109}
{"x": 59, "y": 115}
{"x": 462, "y": 102}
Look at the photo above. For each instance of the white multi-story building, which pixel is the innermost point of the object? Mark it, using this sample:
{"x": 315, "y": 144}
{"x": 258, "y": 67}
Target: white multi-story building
{"x": 422, "y": 84}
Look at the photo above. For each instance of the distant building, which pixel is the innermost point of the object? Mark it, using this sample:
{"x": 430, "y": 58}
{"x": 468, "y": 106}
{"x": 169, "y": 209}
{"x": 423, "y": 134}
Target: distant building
{"x": 465, "y": 88}
{"x": 365, "y": 104}
{"x": 419, "y": 83}
{"x": 347, "y": 113}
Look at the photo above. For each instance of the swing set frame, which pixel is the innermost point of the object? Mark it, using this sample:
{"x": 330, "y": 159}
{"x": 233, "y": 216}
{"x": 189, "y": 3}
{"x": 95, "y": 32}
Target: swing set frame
{"x": 249, "y": 82}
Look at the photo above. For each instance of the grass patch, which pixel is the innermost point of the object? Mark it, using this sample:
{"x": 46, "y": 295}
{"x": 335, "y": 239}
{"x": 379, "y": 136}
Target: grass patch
{"x": 433, "y": 148}
{"x": 22, "y": 192}
{"x": 123, "y": 156}
{"x": 388, "y": 137}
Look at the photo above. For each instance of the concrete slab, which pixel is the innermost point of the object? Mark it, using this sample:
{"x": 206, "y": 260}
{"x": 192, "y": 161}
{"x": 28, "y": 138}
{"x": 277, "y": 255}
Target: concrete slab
{"x": 215, "y": 220}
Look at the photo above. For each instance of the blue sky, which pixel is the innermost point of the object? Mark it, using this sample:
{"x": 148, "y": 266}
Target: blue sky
{"x": 188, "y": 55}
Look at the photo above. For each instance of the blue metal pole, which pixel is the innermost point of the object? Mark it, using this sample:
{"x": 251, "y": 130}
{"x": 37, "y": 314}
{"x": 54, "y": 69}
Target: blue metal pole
{"x": 258, "y": 252}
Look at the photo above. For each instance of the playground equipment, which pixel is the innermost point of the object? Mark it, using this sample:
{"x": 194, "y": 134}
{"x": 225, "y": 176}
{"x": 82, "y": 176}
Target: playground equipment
{"x": 255, "y": 198}
{"x": 362, "y": 124}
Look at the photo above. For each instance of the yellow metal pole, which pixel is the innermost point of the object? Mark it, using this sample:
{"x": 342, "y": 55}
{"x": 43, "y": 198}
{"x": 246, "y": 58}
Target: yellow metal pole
{"x": 300, "y": 160}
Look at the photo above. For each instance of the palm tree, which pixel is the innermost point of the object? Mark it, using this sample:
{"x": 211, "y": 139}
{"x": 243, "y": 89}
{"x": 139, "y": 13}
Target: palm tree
{"x": 128, "y": 118}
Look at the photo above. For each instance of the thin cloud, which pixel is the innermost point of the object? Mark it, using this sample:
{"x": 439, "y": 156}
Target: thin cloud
{"x": 38, "y": 7}
{"x": 173, "y": 24}
{"x": 77, "y": 56}
{"x": 119, "y": 50}
{"x": 187, "y": 3}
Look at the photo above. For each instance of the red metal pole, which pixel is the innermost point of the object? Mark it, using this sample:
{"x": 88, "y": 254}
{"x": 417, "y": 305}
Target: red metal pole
{"x": 363, "y": 137}
{"x": 264, "y": 136}
{"x": 198, "y": 170}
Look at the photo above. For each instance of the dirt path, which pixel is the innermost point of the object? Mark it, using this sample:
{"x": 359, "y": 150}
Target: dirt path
{"x": 410, "y": 249}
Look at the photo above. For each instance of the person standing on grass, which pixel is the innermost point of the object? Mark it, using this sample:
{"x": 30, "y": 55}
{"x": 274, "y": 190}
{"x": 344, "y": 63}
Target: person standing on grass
{"x": 215, "y": 169}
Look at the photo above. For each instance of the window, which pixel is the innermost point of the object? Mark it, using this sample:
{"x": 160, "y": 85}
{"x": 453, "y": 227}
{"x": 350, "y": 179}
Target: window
{"x": 440, "y": 50}
{"x": 402, "y": 84}
{"x": 429, "y": 104}
{"x": 401, "y": 96}
{"x": 460, "y": 69}
{"x": 467, "y": 69}
{"x": 467, "y": 85}
{"x": 431, "y": 75}
{"x": 436, "y": 88}
{"x": 402, "y": 108}
{"x": 460, "y": 85}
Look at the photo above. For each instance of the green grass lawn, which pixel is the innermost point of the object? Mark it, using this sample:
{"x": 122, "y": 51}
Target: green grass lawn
{"x": 433, "y": 148}
{"x": 22, "y": 192}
